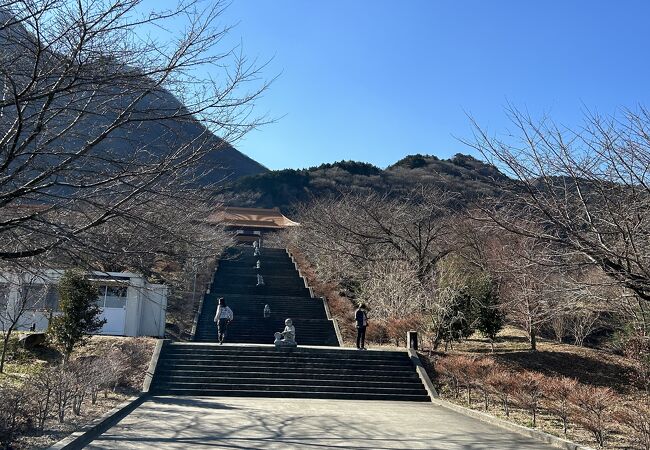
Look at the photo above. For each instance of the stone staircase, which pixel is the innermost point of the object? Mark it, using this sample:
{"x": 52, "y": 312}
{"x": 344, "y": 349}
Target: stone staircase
{"x": 249, "y": 365}
{"x": 264, "y": 371}
{"x": 284, "y": 291}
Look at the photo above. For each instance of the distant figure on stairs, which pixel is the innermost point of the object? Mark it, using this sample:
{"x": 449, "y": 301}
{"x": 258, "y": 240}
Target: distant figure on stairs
{"x": 260, "y": 280}
{"x": 256, "y": 248}
{"x": 267, "y": 311}
{"x": 223, "y": 317}
{"x": 288, "y": 337}
{"x": 258, "y": 265}
{"x": 361, "y": 319}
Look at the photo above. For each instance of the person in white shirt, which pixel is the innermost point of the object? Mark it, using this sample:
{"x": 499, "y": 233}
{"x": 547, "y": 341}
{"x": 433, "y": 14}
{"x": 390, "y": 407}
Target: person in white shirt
{"x": 223, "y": 317}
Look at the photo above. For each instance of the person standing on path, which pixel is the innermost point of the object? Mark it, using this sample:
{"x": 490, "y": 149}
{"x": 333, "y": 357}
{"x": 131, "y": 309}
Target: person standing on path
{"x": 361, "y": 319}
{"x": 223, "y": 317}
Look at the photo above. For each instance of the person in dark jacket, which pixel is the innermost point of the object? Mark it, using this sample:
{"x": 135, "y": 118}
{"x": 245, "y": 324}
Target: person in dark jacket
{"x": 361, "y": 319}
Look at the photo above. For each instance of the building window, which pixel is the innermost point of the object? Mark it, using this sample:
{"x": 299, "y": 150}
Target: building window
{"x": 39, "y": 296}
{"x": 52, "y": 298}
{"x": 112, "y": 296}
{"x": 32, "y": 296}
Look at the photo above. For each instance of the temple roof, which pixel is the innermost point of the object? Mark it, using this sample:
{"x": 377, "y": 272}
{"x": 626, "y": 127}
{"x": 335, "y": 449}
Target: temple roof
{"x": 251, "y": 217}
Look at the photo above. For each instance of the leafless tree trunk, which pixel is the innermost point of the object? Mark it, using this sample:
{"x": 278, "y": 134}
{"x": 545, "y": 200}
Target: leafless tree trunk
{"x": 79, "y": 82}
{"x": 29, "y": 291}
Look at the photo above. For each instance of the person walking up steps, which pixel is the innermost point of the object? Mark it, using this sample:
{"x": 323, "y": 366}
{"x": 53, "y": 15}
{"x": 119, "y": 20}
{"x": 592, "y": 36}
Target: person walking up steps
{"x": 223, "y": 317}
{"x": 361, "y": 319}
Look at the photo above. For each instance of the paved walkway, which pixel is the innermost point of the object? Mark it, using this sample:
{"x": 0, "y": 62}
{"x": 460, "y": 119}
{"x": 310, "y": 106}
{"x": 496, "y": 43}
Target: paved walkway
{"x": 265, "y": 423}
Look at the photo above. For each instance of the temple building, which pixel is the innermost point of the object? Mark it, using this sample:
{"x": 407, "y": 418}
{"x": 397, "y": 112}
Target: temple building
{"x": 250, "y": 224}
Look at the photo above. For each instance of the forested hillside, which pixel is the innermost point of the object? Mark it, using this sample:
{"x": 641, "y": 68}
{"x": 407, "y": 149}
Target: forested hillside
{"x": 285, "y": 189}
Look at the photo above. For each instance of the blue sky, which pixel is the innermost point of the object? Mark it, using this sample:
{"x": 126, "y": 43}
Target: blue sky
{"x": 375, "y": 80}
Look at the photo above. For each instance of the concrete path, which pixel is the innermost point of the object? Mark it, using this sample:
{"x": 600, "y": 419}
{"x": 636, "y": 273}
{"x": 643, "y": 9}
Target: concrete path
{"x": 261, "y": 423}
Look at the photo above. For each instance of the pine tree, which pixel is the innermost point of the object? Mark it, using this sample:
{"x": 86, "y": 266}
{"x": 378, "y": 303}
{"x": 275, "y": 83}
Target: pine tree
{"x": 489, "y": 316}
{"x": 79, "y": 312}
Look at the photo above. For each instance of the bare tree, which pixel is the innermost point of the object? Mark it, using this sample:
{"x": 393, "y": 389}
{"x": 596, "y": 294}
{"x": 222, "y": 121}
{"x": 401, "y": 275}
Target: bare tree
{"x": 80, "y": 83}
{"x": 20, "y": 292}
{"x": 527, "y": 288}
{"x": 583, "y": 191}
{"x": 370, "y": 228}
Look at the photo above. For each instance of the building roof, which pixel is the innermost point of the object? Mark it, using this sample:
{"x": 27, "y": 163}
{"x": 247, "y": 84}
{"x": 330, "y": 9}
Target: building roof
{"x": 251, "y": 217}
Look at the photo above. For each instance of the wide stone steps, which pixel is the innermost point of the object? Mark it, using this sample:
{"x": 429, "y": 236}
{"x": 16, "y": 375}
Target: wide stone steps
{"x": 316, "y": 339}
{"x": 333, "y": 376}
{"x": 257, "y": 330}
{"x": 263, "y": 350}
{"x": 257, "y": 339}
{"x": 282, "y": 385}
{"x": 251, "y": 279}
{"x": 294, "y": 394}
{"x": 278, "y": 264}
{"x": 256, "y": 304}
{"x": 205, "y": 364}
{"x": 234, "y": 252}
{"x": 266, "y": 371}
{"x": 250, "y": 259}
{"x": 286, "y": 268}
{"x": 278, "y": 313}
{"x": 322, "y": 384}
{"x": 278, "y": 299}
{"x": 251, "y": 289}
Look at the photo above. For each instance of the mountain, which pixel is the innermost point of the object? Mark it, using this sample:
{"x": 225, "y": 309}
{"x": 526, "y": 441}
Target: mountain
{"x": 97, "y": 92}
{"x": 287, "y": 188}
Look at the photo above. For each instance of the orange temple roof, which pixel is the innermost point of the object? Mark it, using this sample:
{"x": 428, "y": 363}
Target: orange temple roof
{"x": 251, "y": 217}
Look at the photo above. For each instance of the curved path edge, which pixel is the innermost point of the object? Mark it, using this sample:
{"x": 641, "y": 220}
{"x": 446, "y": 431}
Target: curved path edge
{"x": 555, "y": 441}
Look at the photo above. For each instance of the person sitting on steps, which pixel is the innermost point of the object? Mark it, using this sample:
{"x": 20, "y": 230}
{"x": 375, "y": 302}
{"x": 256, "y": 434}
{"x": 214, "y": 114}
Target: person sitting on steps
{"x": 223, "y": 317}
{"x": 267, "y": 311}
{"x": 260, "y": 280}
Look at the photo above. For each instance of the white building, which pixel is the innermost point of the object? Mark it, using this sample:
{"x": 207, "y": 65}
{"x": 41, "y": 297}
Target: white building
{"x": 130, "y": 305}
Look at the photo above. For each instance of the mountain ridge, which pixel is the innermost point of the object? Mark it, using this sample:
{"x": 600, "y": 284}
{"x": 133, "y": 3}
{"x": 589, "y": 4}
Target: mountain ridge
{"x": 287, "y": 188}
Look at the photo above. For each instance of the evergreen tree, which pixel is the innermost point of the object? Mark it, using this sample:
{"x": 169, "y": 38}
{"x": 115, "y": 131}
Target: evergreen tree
{"x": 79, "y": 312}
{"x": 489, "y": 316}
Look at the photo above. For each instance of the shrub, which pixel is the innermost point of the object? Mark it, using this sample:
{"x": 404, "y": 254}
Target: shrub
{"x": 13, "y": 413}
{"x": 446, "y": 368}
{"x": 592, "y": 410}
{"x": 397, "y": 328}
{"x": 638, "y": 349}
{"x": 528, "y": 392}
{"x": 557, "y": 392}
{"x": 463, "y": 367}
{"x": 635, "y": 417}
{"x": 503, "y": 384}
{"x": 481, "y": 370}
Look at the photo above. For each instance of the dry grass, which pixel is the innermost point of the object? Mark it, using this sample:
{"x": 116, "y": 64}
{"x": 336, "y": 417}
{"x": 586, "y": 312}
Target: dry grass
{"x": 56, "y": 431}
{"x": 24, "y": 363}
{"x": 589, "y": 366}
